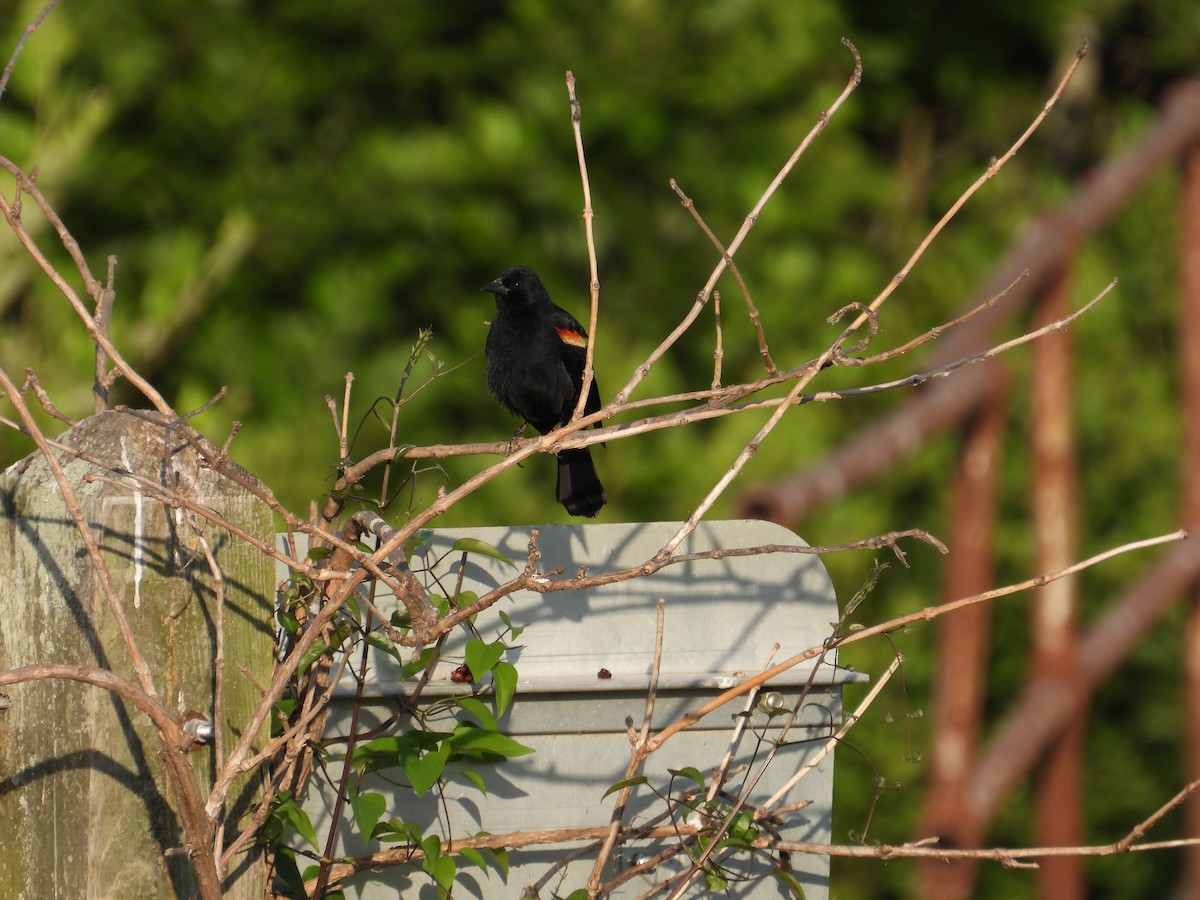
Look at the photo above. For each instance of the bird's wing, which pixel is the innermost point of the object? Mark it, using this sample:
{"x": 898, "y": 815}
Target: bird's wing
{"x": 573, "y": 340}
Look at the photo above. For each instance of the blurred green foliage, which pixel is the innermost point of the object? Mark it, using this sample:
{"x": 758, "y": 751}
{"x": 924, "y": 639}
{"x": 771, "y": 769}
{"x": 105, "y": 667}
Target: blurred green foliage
{"x": 294, "y": 189}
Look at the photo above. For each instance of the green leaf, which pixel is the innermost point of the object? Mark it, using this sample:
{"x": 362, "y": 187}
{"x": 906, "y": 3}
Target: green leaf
{"x": 624, "y": 783}
{"x": 287, "y": 871}
{"x": 318, "y": 553}
{"x": 789, "y": 882}
{"x": 396, "y": 830}
{"x": 442, "y": 868}
{"x": 295, "y": 818}
{"x": 465, "y": 599}
{"x": 418, "y": 664}
{"x": 381, "y": 752}
{"x": 514, "y": 631}
{"x": 481, "y": 657}
{"x": 283, "y": 708}
{"x": 742, "y": 828}
{"x": 474, "y": 856}
{"x": 311, "y": 655}
{"x": 381, "y": 641}
{"x": 479, "y": 710}
{"x": 368, "y": 808}
{"x": 715, "y": 881}
{"x": 424, "y": 771}
{"x": 413, "y": 544}
{"x": 471, "y": 741}
{"x": 289, "y": 622}
{"x": 690, "y": 772}
{"x": 504, "y": 682}
{"x": 500, "y": 856}
{"x": 476, "y": 779}
{"x": 483, "y": 548}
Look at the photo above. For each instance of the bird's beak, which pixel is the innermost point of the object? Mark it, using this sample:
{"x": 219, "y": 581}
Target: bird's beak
{"x": 496, "y": 287}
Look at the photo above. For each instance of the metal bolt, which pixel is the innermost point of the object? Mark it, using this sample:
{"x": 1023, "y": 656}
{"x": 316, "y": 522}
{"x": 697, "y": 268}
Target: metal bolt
{"x": 198, "y": 728}
{"x": 770, "y": 701}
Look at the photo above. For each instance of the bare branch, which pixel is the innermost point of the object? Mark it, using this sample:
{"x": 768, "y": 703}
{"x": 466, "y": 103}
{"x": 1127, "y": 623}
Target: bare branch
{"x": 640, "y": 373}
{"x": 635, "y": 760}
{"x": 763, "y": 351}
{"x": 29, "y": 29}
{"x": 588, "y": 216}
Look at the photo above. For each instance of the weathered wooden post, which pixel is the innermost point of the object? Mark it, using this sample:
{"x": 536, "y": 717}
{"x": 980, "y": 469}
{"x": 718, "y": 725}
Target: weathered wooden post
{"x": 85, "y": 806}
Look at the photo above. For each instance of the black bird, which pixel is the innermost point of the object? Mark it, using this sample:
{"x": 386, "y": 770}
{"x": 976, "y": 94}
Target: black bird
{"x": 535, "y": 356}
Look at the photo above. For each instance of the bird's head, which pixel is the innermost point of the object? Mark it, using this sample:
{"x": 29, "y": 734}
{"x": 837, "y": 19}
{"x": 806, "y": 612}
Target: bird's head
{"x": 520, "y": 284}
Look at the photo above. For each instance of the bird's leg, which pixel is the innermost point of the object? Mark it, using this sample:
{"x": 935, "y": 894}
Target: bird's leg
{"x": 512, "y": 441}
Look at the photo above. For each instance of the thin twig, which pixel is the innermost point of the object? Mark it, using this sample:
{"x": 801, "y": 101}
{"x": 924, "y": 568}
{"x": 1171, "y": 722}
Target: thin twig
{"x": 718, "y": 347}
{"x": 643, "y": 370}
{"x": 29, "y": 29}
{"x": 635, "y": 760}
{"x": 832, "y": 741}
{"x": 755, "y": 319}
{"x": 103, "y": 317}
{"x": 735, "y": 738}
{"x": 927, "y": 614}
{"x": 993, "y": 167}
{"x": 933, "y": 333}
{"x": 593, "y": 268}
{"x": 94, "y": 288}
{"x": 218, "y": 707}
{"x": 32, "y": 383}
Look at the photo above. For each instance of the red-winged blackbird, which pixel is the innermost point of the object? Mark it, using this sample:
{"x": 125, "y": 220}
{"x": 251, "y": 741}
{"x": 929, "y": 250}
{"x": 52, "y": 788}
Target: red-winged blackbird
{"x": 535, "y": 356}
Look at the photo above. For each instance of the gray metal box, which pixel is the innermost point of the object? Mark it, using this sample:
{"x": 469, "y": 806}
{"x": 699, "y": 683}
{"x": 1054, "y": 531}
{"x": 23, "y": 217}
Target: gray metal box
{"x": 722, "y": 620}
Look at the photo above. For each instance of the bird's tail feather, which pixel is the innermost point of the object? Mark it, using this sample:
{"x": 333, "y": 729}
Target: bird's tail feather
{"x": 579, "y": 487}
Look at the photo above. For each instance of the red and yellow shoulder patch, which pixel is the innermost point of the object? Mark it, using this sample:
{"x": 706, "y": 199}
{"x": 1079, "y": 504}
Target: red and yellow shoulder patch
{"x": 572, "y": 337}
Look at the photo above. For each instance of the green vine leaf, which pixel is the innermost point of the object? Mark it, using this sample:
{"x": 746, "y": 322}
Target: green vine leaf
{"x": 504, "y": 681}
{"x": 478, "y": 710}
{"x": 624, "y": 783}
{"x": 476, "y": 743}
{"x": 368, "y": 809}
{"x": 483, "y": 548}
{"x": 481, "y": 657}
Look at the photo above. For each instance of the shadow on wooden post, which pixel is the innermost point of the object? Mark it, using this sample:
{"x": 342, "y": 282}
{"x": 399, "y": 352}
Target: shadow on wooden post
{"x": 87, "y": 807}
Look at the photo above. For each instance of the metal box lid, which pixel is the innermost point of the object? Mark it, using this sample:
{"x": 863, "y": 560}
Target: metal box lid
{"x": 723, "y": 614}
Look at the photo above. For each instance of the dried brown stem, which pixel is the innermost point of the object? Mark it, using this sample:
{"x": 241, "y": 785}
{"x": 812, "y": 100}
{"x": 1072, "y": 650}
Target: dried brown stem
{"x": 589, "y": 234}
{"x": 32, "y": 383}
{"x": 642, "y": 370}
{"x": 927, "y": 614}
{"x": 29, "y": 29}
{"x": 755, "y": 319}
{"x": 990, "y": 172}
{"x": 94, "y": 288}
{"x": 635, "y": 759}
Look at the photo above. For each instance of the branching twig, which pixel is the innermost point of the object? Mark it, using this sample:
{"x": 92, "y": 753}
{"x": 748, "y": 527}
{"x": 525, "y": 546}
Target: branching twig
{"x": 755, "y": 319}
{"x": 927, "y": 614}
{"x": 622, "y": 396}
{"x": 94, "y": 288}
{"x": 993, "y": 167}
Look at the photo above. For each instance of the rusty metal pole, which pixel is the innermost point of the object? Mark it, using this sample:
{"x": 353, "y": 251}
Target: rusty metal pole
{"x": 1189, "y": 353}
{"x": 960, "y": 682}
{"x": 1055, "y": 609}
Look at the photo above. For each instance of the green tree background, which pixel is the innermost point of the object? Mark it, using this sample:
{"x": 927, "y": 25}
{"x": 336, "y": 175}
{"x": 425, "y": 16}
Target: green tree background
{"x": 294, "y": 189}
